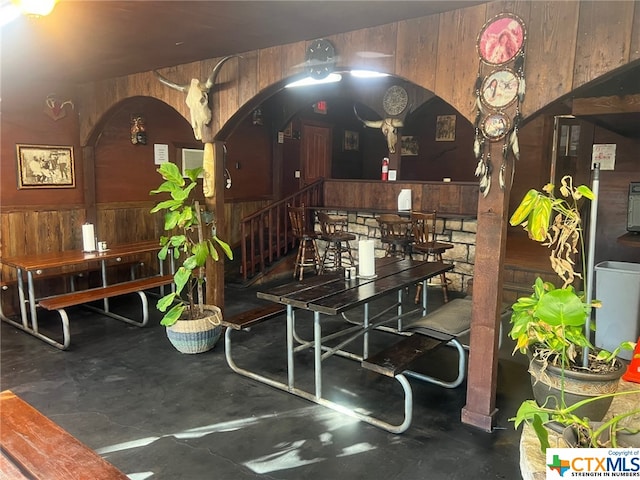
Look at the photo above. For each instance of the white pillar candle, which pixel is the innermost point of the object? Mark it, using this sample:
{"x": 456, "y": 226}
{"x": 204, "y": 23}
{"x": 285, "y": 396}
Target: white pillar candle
{"x": 366, "y": 259}
{"x": 88, "y": 238}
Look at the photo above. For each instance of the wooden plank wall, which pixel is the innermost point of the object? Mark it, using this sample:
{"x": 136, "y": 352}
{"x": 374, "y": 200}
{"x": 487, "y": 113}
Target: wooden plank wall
{"x": 39, "y": 229}
{"x": 456, "y": 198}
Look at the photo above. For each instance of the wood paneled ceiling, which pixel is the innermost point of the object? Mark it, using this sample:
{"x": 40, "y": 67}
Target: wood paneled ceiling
{"x": 83, "y": 41}
{"x": 89, "y": 40}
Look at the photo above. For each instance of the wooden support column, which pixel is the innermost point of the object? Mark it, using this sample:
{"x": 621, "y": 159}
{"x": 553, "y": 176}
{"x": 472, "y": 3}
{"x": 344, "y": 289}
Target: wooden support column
{"x": 89, "y": 169}
{"x": 214, "y": 201}
{"x": 491, "y": 241}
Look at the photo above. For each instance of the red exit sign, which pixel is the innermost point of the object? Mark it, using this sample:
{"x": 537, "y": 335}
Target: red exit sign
{"x": 320, "y": 107}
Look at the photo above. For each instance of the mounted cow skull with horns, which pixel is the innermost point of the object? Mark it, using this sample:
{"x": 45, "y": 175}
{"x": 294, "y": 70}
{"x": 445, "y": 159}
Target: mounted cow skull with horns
{"x": 198, "y": 97}
{"x": 389, "y": 127}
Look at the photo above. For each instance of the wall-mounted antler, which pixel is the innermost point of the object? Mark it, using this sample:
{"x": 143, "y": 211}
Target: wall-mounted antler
{"x": 54, "y": 107}
{"x": 389, "y": 127}
{"x": 197, "y": 96}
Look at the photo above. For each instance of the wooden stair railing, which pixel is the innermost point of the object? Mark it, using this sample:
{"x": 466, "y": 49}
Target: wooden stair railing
{"x": 266, "y": 234}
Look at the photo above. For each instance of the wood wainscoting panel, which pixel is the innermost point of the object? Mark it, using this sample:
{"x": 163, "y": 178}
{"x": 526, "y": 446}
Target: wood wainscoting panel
{"x": 456, "y": 198}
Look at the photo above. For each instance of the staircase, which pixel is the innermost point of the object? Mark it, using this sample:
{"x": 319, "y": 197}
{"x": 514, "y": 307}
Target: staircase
{"x": 267, "y": 241}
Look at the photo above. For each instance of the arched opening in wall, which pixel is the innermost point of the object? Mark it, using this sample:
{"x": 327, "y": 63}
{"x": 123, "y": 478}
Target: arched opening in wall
{"x": 122, "y": 166}
{"x": 604, "y": 112}
{"x": 270, "y": 131}
{"x": 125, "y": 161}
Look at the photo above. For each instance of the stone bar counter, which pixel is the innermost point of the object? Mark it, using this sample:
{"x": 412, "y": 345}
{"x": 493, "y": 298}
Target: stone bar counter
{"x": 455, "y": 229}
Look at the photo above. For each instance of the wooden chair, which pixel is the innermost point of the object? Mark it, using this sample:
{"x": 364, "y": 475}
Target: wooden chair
{"x": 333, "y": 231}
{"x": 395, "y": 232}
{"x": 425, "y": 242}
{"x": 307, "y": 255}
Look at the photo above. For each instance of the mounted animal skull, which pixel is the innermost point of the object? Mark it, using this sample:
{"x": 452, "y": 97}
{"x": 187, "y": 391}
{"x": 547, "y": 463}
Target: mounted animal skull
{"x": 55, "y": 107}
{"x": 389, "y": 127}
{"x": 197, "y": 97}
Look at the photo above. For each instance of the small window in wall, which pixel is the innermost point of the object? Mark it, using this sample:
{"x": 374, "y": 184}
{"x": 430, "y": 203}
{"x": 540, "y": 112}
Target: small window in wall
{"x": 192, "y": 158}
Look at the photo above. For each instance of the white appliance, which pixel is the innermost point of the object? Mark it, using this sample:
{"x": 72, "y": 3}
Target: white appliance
{"x": 404, "y": 200}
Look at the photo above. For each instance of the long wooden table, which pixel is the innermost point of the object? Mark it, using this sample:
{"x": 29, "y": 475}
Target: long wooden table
{"x": 34, "y": 447}
{"x": 34, "y": 265}
{"x": 334, "y": 295}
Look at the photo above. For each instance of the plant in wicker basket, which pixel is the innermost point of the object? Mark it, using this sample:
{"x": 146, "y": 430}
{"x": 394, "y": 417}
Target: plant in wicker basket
{"x": 185, "y": 222}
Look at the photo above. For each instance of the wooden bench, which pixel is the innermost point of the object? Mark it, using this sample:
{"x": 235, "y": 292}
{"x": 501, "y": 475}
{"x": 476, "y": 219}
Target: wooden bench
{"x": 71, "y": 275}
{"x": 243, "y": 321}
{"x": 70, "y": 299}
{"x": 34, "y": 447}
{"x": 400, "y": 355}
{"x": 83, "y": 297}
{"x": 442, "y": 326}
{"x": 252, "y": 317}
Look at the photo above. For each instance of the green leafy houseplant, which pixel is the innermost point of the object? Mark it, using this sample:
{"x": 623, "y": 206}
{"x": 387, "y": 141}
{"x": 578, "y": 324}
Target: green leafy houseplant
{"x": 183, "y": 220}
{"x": 553, "y": 319}
{"x": 551, "y": 325}
{"x": 588, "y": 434}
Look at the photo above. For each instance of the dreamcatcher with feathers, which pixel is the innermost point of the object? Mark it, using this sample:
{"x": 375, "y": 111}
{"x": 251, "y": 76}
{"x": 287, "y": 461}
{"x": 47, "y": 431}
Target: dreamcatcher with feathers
{"x": 500, "y": 89}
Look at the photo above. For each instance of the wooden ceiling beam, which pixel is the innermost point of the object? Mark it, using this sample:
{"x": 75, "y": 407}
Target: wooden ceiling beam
{"x": 606, "y": 105}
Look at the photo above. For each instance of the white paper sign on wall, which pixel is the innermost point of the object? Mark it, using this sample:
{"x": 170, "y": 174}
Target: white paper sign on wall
{"x": 160, "y": 153}
{"x": 605, "y": 155}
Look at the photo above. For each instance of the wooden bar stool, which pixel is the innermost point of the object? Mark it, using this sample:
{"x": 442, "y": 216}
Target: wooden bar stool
{"x": 307, "y": 255}
{"x": 424, "y": 241}
{"x": 333, "y": 231}
{"x": 395, "y": 232}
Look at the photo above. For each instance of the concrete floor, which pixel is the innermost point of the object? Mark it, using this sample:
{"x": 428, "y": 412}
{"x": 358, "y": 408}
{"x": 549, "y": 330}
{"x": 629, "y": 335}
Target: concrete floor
{"x": 156, "y": 413}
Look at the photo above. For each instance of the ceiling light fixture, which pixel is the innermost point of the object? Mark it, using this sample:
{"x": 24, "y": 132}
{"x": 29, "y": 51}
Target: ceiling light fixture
{"x": 12, "y": 9}
{"x": 38, "y": 8}
{"x": 308, "y": 81}
{"x": 367, "y": 74}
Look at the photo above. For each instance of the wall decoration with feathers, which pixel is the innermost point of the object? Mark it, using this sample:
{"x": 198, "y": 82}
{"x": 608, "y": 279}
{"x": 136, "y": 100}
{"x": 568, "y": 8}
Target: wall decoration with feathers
{"x": 499, "y": 93}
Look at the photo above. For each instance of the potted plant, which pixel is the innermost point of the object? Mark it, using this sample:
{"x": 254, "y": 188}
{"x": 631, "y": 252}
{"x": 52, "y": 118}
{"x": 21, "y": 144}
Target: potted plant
{"x": 192, "y": 326}
{"x": 570, "y": 378}
{"x": 577, "y": 431}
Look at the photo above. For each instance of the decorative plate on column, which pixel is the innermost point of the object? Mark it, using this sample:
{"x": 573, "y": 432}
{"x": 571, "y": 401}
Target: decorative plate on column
{"x": 499, "y": 93}
{"x": 495, "y": 126}
{"x": 499, "y": 89}
{"x": 501, "y": 39}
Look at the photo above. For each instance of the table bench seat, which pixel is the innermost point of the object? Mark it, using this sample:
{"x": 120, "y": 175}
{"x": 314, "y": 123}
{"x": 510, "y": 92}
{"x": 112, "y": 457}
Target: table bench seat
{"x": 400, "y": 355}
{"x": 252, "y": 317}
{"x": 70, "y": 299}
{"x": 35, "y": 447}
{"x": 444, "y": 325}
{"x": 83, "y": 297}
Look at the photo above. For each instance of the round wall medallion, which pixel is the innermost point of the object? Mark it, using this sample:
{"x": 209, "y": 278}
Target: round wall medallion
{"x": 495, "y": 126}
{"x": 395, "y": 100}
{"x": 499, "y": 89}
